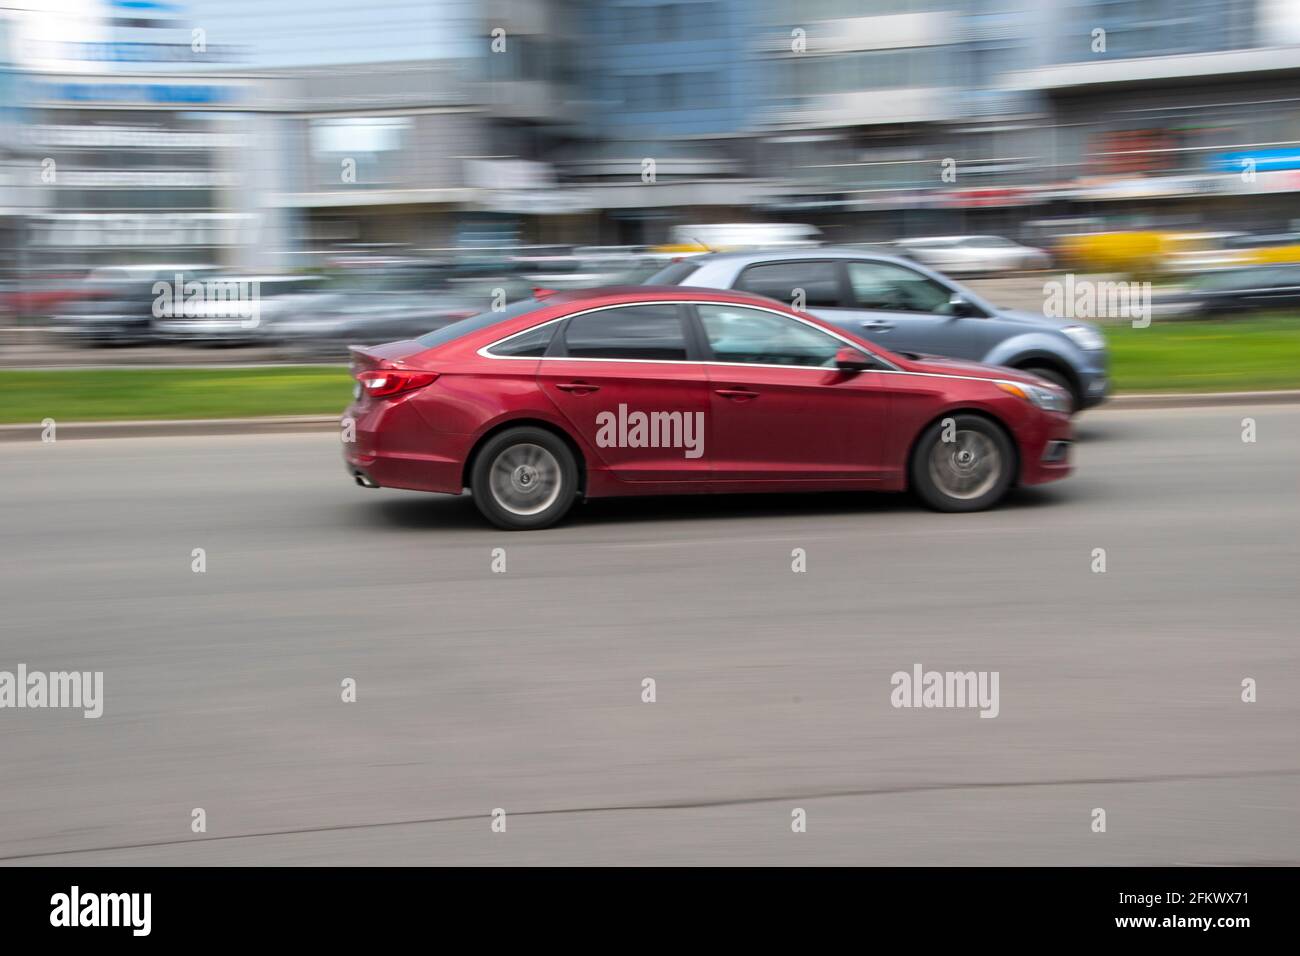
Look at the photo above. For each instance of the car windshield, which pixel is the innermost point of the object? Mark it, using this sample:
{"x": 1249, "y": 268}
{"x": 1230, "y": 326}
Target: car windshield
{"x": 674, "y": 274}
{"x": 449, "y": 333}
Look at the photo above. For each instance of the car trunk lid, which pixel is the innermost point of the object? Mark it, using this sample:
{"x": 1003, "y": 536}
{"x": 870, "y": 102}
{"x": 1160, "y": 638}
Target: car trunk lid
{"x": 388, "y": 355}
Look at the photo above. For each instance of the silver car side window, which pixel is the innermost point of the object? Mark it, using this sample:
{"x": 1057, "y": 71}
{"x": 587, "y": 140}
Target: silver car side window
{"x": 886, "y": 287}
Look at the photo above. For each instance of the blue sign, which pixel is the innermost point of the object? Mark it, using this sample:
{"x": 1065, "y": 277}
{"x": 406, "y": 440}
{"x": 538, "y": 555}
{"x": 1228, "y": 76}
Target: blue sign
{"x": 1259, "y": 160}
{"x": 160, "y": 93}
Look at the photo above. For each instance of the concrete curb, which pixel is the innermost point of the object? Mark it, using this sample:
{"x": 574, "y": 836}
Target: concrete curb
{"x": 1199, "y": 399}
{"x": 178, "y": 427}
{"x": 326, "y": 423}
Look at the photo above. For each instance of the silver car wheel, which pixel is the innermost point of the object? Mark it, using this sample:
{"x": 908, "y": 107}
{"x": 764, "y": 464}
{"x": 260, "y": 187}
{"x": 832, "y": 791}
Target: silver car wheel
{"x": 525, "y": 479}
{"x": 967, "y": 467}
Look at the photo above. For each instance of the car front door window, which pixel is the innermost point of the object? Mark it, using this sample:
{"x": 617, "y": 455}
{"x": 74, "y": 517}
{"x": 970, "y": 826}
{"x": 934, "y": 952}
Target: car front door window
{"x": 906, "y": 310}
{"x": 755, "y": 337}
{"x": 886, "y": 287}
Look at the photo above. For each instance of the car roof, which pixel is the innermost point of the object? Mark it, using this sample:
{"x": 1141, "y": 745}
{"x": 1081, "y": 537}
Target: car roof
{"x": 675, "y": 293}
{"x": 799, "y": 255}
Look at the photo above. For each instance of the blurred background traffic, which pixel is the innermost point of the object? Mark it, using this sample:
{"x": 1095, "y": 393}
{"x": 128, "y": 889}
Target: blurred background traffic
{"x": 381, "y": 170}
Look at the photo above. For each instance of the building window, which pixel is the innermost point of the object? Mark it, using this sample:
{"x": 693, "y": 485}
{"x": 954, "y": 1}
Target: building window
{"x": 373, "y": 144}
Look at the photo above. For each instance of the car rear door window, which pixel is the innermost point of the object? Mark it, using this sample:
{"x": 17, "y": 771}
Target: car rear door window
{"x": 819, "y": 280}
{"x": 633, "y": 332}
{"x": 755, "y": 337}
{"x": 886, "y": 287}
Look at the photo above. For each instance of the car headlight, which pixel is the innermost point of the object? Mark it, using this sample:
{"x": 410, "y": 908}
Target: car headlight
{"x": 1085, "y": 336}
{"x": 1049, "y": 399}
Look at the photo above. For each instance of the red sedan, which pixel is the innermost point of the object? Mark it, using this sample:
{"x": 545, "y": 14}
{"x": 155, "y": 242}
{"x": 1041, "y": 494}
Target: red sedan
{"x": 649, "y": 391}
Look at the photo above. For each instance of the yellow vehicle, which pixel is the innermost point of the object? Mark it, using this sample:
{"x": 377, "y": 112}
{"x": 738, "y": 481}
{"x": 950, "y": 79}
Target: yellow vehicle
{"x": 1126, "y": 252}
{"x": 1271, "y": 254}
{"x": 1150, "y": 252}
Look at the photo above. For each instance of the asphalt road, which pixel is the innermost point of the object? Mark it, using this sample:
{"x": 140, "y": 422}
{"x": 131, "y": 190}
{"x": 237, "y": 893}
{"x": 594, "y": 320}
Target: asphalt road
{"x": 522, "y": 691}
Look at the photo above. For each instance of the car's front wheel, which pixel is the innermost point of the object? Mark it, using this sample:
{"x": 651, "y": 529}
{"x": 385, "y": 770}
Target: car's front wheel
{"x": 524, "y": 478}
{"x": 963, "y": 463}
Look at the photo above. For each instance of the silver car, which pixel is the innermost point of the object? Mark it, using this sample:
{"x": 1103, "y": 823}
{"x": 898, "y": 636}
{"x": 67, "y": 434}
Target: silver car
{"x": 973, "y": 255}
{"x": 908, "y": 308}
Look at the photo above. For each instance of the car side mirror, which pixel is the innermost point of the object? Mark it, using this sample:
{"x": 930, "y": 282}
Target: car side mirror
{"x": 850, "y": 359}
{"x": 961, "y": 307}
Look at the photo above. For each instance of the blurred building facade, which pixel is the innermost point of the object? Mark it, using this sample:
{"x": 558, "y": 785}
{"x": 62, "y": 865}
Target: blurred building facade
{"x": 118, "y": 145}
{"x": 1179, "y": 113}
{"x": 979, "y": 116}
{"x": 665, "y": 107}
{"x": 256, "y": 135}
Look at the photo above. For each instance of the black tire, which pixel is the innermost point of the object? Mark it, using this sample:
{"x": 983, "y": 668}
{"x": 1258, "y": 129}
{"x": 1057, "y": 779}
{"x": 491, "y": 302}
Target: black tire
{"x": 509, "y": 463}
{"x": 936, "y": 471}
{"x": 1056, "y": 378}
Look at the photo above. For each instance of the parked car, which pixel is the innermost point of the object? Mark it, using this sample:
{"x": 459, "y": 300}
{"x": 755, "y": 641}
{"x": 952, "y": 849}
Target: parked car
{"x": 1240, "y": 290}
{"x": 369, "y": 309}
{"x": 232, "y": 320}
{"x": 40, "y": 294}
{"x": 643, "y": 390}
{"x": 908, "y": 308}
{"x": 973, "y": 255}
{"x": 1188, "y": 253}
{"x": 117, "y": 304}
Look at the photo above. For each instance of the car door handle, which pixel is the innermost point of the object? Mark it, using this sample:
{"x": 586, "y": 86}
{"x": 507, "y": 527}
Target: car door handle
{"x": 577, "y": 388}
{"x": 739, "y": 394}
{"x": 878, "y": 326}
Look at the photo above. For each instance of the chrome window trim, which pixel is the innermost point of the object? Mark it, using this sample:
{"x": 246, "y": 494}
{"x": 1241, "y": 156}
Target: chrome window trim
{"x": 891, "y": 370}
{"x": 485, "y": 350}
{"x": 514, "y": 335}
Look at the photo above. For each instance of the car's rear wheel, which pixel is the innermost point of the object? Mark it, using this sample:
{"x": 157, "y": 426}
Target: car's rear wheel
{"x": 524, "y": 478}
{"x": 963, "y": 463}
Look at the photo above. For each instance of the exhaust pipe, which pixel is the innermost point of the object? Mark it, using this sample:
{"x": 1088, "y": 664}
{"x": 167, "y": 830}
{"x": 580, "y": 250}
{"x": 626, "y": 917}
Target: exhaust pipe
{"x": 364, "y": 480}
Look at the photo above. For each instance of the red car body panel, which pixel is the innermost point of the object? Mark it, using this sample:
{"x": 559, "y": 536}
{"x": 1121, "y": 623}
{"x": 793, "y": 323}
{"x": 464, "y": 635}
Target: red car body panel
{"x": 767, "y": 428}
{"x": 801, "y": 425}
{"x": 661, "y": 386}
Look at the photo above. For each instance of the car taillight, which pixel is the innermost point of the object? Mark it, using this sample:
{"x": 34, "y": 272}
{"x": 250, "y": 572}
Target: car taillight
{"x": 389, "y": 381}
